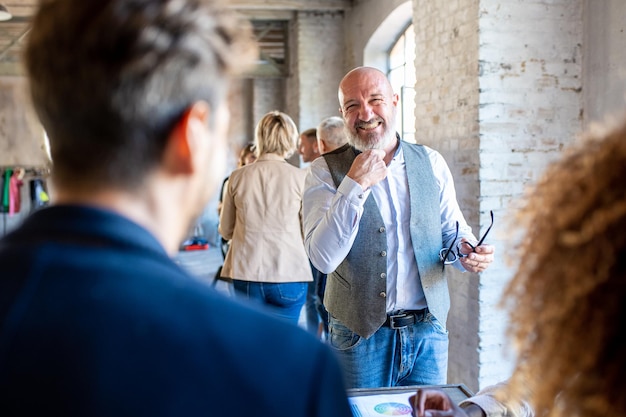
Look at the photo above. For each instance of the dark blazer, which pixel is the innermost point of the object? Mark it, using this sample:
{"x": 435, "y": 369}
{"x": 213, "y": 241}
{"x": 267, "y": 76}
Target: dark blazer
{"x": 97, "y": 320}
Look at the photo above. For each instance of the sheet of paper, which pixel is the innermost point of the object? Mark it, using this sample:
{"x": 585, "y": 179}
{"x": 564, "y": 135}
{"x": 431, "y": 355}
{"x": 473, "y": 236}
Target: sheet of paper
{"x": 381, "y": 405}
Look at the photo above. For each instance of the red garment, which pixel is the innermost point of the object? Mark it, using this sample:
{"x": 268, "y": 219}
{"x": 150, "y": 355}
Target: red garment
{"x": 14, "y": 193}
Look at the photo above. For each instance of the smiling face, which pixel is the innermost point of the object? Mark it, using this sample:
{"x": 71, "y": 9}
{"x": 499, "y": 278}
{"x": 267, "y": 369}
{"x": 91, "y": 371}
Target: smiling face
{"x": 369, "y": 106}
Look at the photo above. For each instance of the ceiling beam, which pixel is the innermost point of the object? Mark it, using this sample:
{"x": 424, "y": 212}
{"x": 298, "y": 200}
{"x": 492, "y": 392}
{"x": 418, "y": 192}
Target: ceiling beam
{"x": 267, "y": 14}
{"x": 293, "y": 5}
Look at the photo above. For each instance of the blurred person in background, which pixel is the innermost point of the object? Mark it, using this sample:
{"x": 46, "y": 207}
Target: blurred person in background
{"x": 262, "y": 217}
{"x": 308, "y": 150}
{"x": 246, "y": 156}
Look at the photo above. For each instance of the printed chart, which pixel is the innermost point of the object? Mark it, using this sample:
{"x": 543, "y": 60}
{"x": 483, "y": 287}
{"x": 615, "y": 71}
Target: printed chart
{"x": 381, "y": 405}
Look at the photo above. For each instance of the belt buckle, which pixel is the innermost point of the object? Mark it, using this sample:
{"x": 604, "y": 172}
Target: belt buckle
{"x": 392, "y": 321}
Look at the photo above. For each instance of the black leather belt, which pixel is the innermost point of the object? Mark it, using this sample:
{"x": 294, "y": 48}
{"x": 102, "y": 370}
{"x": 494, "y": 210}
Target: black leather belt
{"x": 402, "y": 319}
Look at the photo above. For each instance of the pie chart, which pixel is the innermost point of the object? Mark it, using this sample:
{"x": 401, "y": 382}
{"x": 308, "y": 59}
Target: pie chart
{"x": 393, "y": 409}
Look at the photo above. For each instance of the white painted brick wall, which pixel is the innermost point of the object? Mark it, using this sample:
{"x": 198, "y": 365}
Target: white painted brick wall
{"x": 268, "y": 94}
{"x": 499, "y": 95}
{"x": 318, "y": 66}
{"x": 447, "y": 120}
{"x": 530, "y": 107}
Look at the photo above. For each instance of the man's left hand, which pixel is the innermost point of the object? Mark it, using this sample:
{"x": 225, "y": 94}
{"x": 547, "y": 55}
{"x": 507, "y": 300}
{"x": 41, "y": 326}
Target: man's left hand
{"x": 477, "y": 260}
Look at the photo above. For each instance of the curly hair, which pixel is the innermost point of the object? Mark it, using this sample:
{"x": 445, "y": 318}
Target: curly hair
{"x": 109, "y": 79}
{"x": 567, "y": 300}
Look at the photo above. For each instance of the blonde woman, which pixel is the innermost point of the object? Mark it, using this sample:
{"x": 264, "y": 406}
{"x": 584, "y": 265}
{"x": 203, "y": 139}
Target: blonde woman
{"x": 262, "y": 216}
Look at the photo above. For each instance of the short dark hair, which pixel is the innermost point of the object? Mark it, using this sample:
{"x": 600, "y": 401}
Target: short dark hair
{"x": 109, "y": 79}
{"x": 310, "y": 134}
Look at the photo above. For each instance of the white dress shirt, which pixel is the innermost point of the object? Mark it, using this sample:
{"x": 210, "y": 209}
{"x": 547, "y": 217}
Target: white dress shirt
{"x": 332, "y": 216}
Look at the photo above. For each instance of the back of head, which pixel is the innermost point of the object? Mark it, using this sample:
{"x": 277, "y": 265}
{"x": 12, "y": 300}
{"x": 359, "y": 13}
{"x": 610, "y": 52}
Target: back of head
{"x": 246, "y": 155}
{"x": 332, "y": 131}
{"x": 110, "y": 78}
{"x": 276, "y": 133}
{"x": 568, "y": 298}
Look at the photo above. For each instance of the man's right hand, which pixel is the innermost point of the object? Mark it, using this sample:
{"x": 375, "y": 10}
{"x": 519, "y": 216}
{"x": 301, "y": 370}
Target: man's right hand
{"x": 368, "y": 168}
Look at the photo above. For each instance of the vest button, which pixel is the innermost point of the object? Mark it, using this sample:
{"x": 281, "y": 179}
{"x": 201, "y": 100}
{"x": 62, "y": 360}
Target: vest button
{"x": 382, "y": 230}
{"x": 360, "y": 196}
{"x": 383, "y": 253}
{"x": 383, "y": 275}
{"x": 383, "y": 295}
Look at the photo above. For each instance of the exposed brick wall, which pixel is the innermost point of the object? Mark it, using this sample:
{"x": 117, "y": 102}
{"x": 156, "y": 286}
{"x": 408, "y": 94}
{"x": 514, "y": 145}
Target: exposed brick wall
{"x": 604, "y": 73}
{"x": 268, "y": 94}
{"x": 498, "y": 94}
{"x": 22, "y": 140}
{"x": 447, "y": 102}
{"x": 530, "y": 78}
{"x": 318, "y": 66}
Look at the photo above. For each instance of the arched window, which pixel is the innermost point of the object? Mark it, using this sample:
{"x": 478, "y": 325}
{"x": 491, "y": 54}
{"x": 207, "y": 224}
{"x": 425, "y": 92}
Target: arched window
{"x": 402, "y": 77}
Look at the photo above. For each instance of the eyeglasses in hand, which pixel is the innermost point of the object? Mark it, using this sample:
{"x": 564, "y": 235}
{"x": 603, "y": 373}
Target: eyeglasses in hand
{"x": 449, "y": 256}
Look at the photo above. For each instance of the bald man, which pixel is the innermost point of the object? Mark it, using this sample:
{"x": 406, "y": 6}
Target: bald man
{"x": 382, "y": 220}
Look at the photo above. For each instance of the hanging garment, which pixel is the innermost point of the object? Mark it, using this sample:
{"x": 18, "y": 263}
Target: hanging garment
{"x": 5, "y": 190}
{"x": 39, "y": 197}
{"x": 15, "y": 183}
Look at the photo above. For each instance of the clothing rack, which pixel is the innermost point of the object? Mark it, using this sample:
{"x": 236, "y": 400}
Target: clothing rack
{"x": 21, "y": 194}
{"x": 29, "y": 172}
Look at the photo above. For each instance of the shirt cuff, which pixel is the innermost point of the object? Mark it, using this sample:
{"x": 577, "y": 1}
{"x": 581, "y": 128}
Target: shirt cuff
{"x": 353, "y": 191}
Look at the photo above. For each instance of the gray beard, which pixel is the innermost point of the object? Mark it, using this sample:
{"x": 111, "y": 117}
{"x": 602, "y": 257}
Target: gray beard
{"x": 369, "y": 143}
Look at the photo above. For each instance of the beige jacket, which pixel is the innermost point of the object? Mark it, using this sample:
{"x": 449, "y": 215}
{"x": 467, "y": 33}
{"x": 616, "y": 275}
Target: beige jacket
{"x": 262, "y": 216}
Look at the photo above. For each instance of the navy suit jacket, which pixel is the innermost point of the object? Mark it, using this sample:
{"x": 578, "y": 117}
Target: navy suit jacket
{"x": 97, "y": 320}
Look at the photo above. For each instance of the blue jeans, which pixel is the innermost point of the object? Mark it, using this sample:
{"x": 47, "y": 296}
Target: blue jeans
{"x": 283, "y": 299}
{"x": 312, "y": 317}
{"x": 414, "y": 355}
{"x": 315, "y": 310}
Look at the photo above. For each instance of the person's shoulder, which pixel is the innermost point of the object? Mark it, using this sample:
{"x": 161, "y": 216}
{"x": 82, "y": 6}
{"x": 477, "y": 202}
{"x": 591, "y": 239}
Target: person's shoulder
{"x": 433, "y": 154}
{"x": 415, "y": 145}
{"x": 289, "y": 169}
{"x": 343, "y": 148}
{"x": 319, "y": 162}
{"x": 236, "y": 176}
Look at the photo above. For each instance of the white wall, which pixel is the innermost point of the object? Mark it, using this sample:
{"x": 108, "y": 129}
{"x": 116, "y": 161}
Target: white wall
{"x": 604, "y": 58}
{"x": 530, "y": 82}
{"x": 318, "y": 67}
{"x": 499, "y": 94}
{"x": 362, "y": 21}
{"x": 447, "y": 105}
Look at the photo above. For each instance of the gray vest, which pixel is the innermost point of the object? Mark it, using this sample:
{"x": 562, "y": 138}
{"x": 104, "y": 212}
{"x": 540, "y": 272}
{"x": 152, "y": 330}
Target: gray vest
{"x": 356, "y": 291}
